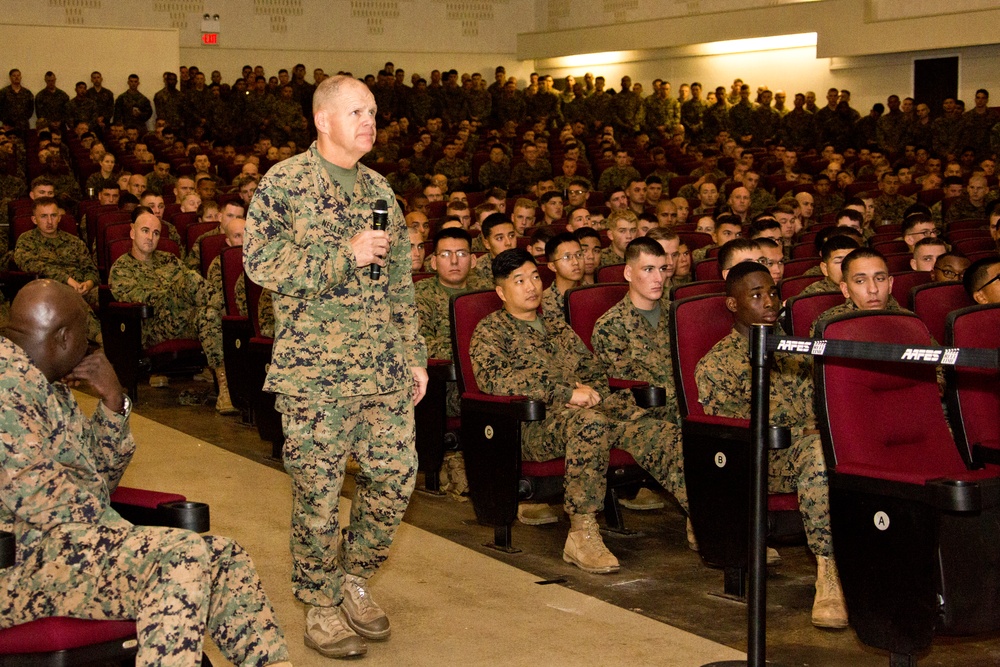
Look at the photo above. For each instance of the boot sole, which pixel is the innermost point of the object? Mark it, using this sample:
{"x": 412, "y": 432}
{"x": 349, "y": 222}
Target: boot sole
{"x": 592, "y": 570}
{"x": 538, "y": 522}
{"x": 830, "y": 625}
{"x": 644, "y": 507}
{"x": 331, "y": 653}
{"x": 379, "y": 636}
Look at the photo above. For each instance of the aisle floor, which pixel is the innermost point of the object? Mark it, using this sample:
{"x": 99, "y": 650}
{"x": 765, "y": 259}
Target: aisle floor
{"x": 452, "y": 599}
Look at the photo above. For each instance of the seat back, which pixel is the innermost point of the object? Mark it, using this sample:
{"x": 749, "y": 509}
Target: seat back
{"x": 898, "y": 262}
{"x": 697, "y": 323}
{"x": 903, "y": 284}
{"x": 797, "y": 267}
{"x": 181, "y": 221}
{"x": 611, "y": 274}
{"x": 695, "y": 240}
{"x": 211, "y": 246}
{"x": 678, "y": 292}
{"x": 585, "y": 305}
{"x": 466, "y": 312}
{"x": 890, "y": 247}
{"x": 933, "y": 301}
{"x": 802, "y": 310}
{"x": 792, "y": 285}
{"x": 975, "y": 244}
{"x": 707, "y": 269}
{"x": 23, "y": 223}
{"x": 883, "y": 419}
{"x": 232, "y": 269}
{"x": 195, "y": 230}
{"x": 974, "y": 393}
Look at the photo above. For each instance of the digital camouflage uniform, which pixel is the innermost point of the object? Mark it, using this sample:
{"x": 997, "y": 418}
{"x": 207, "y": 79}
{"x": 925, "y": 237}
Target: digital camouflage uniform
{"x": 798, "y": 129}
{"x": 179, "y": 298}
{"x": 723, "y": 379}
{"x": 104, "y": 101}
{"x": 193, "y": 258}
{"x": 523, "y": 176}
{"x": 610, "y": 258}
{"x": 509, "y": 357}
{"x": 77, "y": 557}
{"x": 740, "y": 124}
{"x": 403, "y": 184}
{"x": 168, "y": 106}
{"x": 599, "y": 108}
{"x": 764, "y": 124}
{"x": 16, "y": 108}
{"x": 661, "y": 112}
{"x": 631, "y": 349}
{"x": 494, "y": 175}
{"x": 124, "y": 105}
{"x": 963, "y": 209}
{"x": 60, "y": 258}
{"x": 553, "y": 303}
{"x": 615, "y": 176}
{"x": 433, "y": 303}
{"x": 344, "y": 345}
{"x": 692, "y": 117}
{"x": 481, "y": 275}
{"x": 454, "y": 169}
{"x": 82, "y": 110}
{"x": 849, "y": 307}
{"x": 889, "y": 210}
{"x": 52, "y": 105}
{"x": 825, "y": 285}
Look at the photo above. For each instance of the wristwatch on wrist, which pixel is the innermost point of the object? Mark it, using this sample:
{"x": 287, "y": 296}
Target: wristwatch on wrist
{"x": 126, "y": 406}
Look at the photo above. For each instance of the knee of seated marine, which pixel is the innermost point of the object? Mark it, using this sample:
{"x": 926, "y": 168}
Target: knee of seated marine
{"x": 185, "y": 553}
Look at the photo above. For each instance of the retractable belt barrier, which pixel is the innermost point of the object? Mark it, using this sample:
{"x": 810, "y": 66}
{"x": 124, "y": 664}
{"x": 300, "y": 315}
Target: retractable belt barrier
{"x": 966, "y": 357}
{"x": 764, "y": 343}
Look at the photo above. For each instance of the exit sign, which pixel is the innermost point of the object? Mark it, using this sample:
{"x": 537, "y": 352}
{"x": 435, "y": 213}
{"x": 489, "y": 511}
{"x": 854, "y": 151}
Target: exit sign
{"x": 210, "y": 38}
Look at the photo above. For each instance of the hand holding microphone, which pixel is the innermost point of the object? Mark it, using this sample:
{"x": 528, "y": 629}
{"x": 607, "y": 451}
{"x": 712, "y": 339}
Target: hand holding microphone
{"x": 380, "y": 219}
{"x": 371, "y": 247}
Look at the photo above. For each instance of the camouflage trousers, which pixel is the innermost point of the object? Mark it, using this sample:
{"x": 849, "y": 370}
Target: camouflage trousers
{"x": 174, "y": 583}
{"x": 585, "y": 437}
{"x": 176, "y": 318}
{"x": 801, "y": 468}
{"x": 319, "y": 437}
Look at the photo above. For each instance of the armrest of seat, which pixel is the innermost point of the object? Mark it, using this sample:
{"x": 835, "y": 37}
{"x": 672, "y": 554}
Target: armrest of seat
{"x": 156, "y": 508}
{"x": 645, "y": 394}
{"x": 441, "y": 369}
{"x": 518, "y": 408}
{"x": 128, "y": 309}
{"x": 8, "y": 548}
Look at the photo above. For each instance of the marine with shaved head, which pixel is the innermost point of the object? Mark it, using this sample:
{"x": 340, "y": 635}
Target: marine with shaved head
{"x": 75, "y": 555}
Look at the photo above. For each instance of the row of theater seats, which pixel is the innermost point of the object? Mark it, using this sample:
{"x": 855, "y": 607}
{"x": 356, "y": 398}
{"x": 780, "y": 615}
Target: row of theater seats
{"x": 716, "y": 460}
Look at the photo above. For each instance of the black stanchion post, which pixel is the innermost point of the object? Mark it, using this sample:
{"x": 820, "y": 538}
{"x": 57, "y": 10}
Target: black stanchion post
{"x": 760, "y": 391}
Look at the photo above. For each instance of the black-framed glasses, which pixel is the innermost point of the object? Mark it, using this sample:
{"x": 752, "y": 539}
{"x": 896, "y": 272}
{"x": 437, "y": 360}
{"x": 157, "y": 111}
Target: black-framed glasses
{"x": 991, "y": 280}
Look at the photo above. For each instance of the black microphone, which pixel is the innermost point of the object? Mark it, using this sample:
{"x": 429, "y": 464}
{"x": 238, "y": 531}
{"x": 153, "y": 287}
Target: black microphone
{"x": 380, "y": 219}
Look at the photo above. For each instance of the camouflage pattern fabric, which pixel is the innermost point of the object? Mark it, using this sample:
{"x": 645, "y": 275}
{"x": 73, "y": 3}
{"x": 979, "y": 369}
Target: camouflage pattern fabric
{"x": 616, "y": 177}
{"x": 193, "y": 258}
{"x": 265, "y": 306}
{"x": 77, "y": 557}
{"x": 179, "y": 298}
{"x": 849, "y": 307}
{"x": 433, "y": 303}
{"x": 553, "y": 303}
{"x": 481, "y": 275}
{"x": 60, "y": 258}
{"x": 631, "y": 349}
{"x": 343, "y": 348}
{"x": 963, "y": 209}
{"x": 723, "y": 380}
{"x": 825, "y": 285}
{"x": 523, "y": 176}
{"x": 889, "y": 210}
{"x": 455, "y": 169}
{"x": 126, "y": 102}
{"x": 509, "y": 357}
{"x": 494, "y": 175}
{"x": 610, "y": 258}
{"x": 16, "y": 108}
{"x": 52, "y": 105}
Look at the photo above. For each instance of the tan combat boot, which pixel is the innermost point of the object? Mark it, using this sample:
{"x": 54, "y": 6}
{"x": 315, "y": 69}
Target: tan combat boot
{"x": 829, "y": 609}
{"x": 537, "y": 514}
{"x": 585, "y": 548}
{"x": 223, "y": 405}
{"x": 645, "y": 500}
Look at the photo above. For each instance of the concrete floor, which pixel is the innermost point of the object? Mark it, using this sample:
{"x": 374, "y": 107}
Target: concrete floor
{"x": 660, "y": 577}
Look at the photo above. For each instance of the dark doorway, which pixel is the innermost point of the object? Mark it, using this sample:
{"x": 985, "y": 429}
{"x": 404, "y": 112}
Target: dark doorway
{"x": 935, "y": 80}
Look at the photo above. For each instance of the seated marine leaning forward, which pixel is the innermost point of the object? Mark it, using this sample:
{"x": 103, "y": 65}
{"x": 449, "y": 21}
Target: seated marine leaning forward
{"x": 515, "y": 351}
{"x": 75, "y": 555}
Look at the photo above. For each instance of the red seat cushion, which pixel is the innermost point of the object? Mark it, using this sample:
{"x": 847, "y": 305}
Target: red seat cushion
{"x": 557, "y": 467}
{"x": 782, "y": 502}
{"x": 59, "y": 633}
{"x": 143, "y": 498}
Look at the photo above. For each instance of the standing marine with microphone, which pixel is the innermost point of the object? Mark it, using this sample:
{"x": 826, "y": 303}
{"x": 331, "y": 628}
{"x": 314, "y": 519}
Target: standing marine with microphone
{"x": 348, "y": 364}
